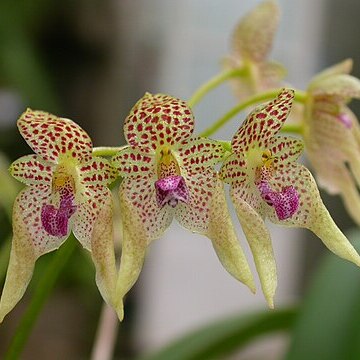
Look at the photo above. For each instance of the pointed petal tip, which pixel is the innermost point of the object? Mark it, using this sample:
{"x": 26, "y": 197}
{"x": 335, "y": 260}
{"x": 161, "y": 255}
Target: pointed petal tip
{"x": 119, "y": 309}
{"x": 270, "y": 302}
{"x": 356, "y": 259}
{"x": 3, "y": 311}
{"x": 251, "y": 285}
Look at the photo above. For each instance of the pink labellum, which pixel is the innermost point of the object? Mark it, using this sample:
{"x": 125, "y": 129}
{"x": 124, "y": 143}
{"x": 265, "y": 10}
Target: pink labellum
{"x": 55, "y": 221}
{"x": 285, "y": 202}
{"x": 345, "y": 119}
{"x": 171, "y": 190}
{"x": 265, "y": 191}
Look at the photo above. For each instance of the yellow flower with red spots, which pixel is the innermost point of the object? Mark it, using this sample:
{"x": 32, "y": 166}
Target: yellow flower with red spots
{"x": 170, "y": 174}
{"x": 66, "y": 189}
{"x": 267, "y": 182}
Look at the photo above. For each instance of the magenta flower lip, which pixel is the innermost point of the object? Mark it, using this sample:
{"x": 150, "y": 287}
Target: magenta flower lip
{"x": 171, "y": 190}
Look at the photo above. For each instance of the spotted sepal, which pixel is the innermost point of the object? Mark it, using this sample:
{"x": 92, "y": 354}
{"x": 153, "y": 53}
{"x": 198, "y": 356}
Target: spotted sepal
{"x": 89, "y": 203}
{"x": 139, "y": 194}
{"x": 131, "y": 162}
{"x": 284, "y": 149}
{"x": 97, "y": 171}
{"x": 263, "y": 123}
{"x": 234, "y": 169}
{"x": 312, "y": 213}
{"x": 198, "y": 153}
{"x": 158, "y": 120}
{"x": 52, "y": 137}
{"x": 32, "y": 170}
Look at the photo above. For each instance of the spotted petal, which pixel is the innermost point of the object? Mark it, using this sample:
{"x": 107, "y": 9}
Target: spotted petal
{"x": 158, "y": 120}
{"x": 253, "y": 37}
{"x": 234, "y": 169}
{"x": 194, "y": 215}
{"x": 89, "y": 203}
{"x": 263, "y": 123}
{"x": 97, "y": 171}
{"x": 32, "y": 170}
{"x": 312, "y": 213}
{"x": 285, "y": 149}
{"x": 199, "y": 153}
{"x": 222, "y": 234}
{"x": 138, "y": 194}
{"x": 132, "y": 162}
{"x": 52, "y": 137}
{"x": 30, "y": 241}
{"x": 249, "y": 208}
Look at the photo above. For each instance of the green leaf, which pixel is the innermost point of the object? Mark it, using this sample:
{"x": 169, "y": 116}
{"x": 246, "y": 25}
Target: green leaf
{"x": 226, "y": 336}
{"x": 328, "y": 325}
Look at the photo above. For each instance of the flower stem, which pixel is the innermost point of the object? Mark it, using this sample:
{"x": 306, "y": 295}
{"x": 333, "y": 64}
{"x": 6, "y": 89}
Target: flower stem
{"x": 106, "y": 334}
{"x": 226, "y": 145}
{"x": 300, "y": 97}
{"x": 107, "y": 150}
{"x": 41, "y": 293}
{"x": 213, "y": 83}
{"x": 292, "y": 129}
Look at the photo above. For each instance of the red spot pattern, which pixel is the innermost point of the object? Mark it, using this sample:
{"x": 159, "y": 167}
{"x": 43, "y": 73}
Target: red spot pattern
{"x": 263, "y": 123}
{"x": 27, "y": 219}
{"x": 234, "y": 170}
{"x": 195, "y": 214}
{"x": 259, "y": 132}
{"x": 140, "y": 192}
{"x": 89, "y": 204}
{"x": 300, "y": 178}
{"x": 198, "y": 154}
{"x": 131, "y": 162}
{"x": 32, "y": 170}
{"x": 50, "y": 136}
{"x": 285, "y": 149}
{"x": 158, "y": 120}
{"x": 97, "y": 171}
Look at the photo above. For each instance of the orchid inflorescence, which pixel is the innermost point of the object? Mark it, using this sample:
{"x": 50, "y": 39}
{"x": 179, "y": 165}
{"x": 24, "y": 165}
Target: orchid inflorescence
{"x": 168, "y": 172}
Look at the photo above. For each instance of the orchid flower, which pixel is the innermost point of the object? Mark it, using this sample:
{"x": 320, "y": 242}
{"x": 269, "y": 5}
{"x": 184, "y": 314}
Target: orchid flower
{"x": 65, "y": 189}
{"x": 332, "y": 134}
{"x": 251, "y": 44}
{"x": 267, "y": 182}
{"x": 167, "y": 173}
